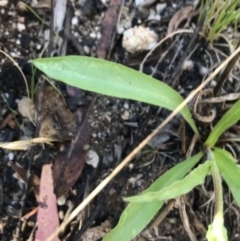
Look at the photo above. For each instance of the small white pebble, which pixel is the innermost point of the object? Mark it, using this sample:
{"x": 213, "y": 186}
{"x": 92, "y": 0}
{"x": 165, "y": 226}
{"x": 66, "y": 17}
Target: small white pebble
{"x": 127, "y": 24}
{"x": 120, "y": 29}
{"x": 86, "y": 49}
{"x": 10, "y": 156}
{"x": 203, "y": 70}
{"x": 77, "y": 13}
{"x": 92, "y": 158}
{"x": 61, "y": 200}
{"x": 3, "y": 3}
{"x": 39, "y": 46}
{"x": 93, "y": 35}
{"x": 74, "y": 20}
{"x": 125, "y": 115}
{"x": 99, "y": 35}
{"x": 213, "y": 83}
{"x": 18, "y": 42}
{"x": 126, "y": 105}
{"x": 131, "y": 166}
{"x": 160, "y": 7}
{"x": 187, "y": 65}
{"x": 21, "y": 27}
{"x": 154, "y": 16}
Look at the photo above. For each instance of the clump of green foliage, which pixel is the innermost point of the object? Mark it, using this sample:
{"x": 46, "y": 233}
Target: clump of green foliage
{"x": 219, "y": 15}
{"x": 112, "y": 79}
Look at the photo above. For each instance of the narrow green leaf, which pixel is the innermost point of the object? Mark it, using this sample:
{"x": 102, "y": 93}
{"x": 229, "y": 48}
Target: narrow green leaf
{"x": 178, "y": 188}
{"x": 108, "y": 78}
{"x": 229, "y": 170}
{"x": 136, "y": 216}
{"x": 231, "y": 117}
{"x": 216, "y": 230}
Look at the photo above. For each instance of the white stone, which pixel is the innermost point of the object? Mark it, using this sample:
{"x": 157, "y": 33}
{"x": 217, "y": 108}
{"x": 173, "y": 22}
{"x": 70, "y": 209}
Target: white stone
{"x": 74, "y": 20}
{"x": 138, "y": 39}
{"x": 93, "y": 35}
{"x": 92, "y": 158}
{"x": 3, "y": 3}
{"x": 160, "y": 7}
{"x": 187, "y": 65}
{"x": 21, "y": 27}
{"x": 203, "y": 70}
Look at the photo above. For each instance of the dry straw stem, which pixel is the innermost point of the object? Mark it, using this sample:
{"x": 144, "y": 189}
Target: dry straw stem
{"x": 25, "y": 144}
{"x": 106, "y": 181}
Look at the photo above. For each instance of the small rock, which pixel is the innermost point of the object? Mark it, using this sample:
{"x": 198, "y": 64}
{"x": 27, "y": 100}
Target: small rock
{"x": 125, "y": 115}
{"x": 154, "y": 16}
{"x": 160, "y": 7}
{"x": 61, "y": 200}
{"x": 3, "y": 3}
{"x": 126, "y": 105}
{"x": 21, "y": 27}
{"x": 86, "y": 49}
{"x": 74, "y": 20}
{"x": 203, "y": 70}
{"x": 92, "y": 158}
{"x": 187, "y": 65}
{"x": 93, "y": 35}
{"x": 138, "y": 39}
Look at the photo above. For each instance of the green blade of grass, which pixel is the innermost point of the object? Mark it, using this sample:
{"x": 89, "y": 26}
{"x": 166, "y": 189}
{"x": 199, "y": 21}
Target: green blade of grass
{"x": 231, "y": 117}
{"x": 136, "y": 216}
{"x": 178, "y": 188}
{"x": 112, "y": 79}
{"x": 229, "y": 170}
{"x": 216, "y": 230}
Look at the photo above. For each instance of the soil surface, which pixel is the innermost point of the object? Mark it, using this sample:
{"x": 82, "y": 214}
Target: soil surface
{"x": 116, "y": 126}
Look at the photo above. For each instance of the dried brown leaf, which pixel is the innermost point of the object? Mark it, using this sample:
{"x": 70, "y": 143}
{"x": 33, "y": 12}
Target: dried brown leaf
{"x": 57, "y": 120}
{"x": 108, "y": 28}
{"x": 47, "y": 218}
{"x": 8, "y": 121}
{"x": 75, "y": 163}
{"x": 181, "y": 15}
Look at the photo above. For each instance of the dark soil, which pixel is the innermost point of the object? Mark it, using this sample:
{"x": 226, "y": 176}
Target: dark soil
{"x": 116, "y": 125}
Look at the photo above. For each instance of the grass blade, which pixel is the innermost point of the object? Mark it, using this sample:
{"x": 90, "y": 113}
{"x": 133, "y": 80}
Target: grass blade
{"x": 231, "y": 117}
{"x": 138, "y": 215}
{"x": 229, "y": 170}
{"x": 108, "y": 78}
{"x": 178, "y": 188}
{"x": 216, "y": 230}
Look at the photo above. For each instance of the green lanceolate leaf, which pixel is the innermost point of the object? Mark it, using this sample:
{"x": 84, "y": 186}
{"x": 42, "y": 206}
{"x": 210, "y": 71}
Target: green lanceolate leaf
{"x": 136, "y": 216}
{"x": 229, "y": 170}
{"x": 178, "y": 188}
{"x": 231, "y": 117}
{"x": 112, "y": 79}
